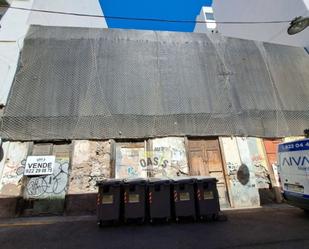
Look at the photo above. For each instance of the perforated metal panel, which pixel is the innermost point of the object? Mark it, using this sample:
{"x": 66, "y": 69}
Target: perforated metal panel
{"x": 79, "y": 83}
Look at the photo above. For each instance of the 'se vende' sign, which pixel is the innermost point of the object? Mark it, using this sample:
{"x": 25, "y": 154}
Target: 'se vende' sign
{"x": 39, "y": 165}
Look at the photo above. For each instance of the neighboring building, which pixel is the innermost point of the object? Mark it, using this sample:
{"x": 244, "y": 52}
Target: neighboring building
{"x": 124, "y": 103}
{"x": 15, "y": 23}
{"x": 206, "y": 15}
{"x": 262, "y": 10}
{"x": 3, "y": 9}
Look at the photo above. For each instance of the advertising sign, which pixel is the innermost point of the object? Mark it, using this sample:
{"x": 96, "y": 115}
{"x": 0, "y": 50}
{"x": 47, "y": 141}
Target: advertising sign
{"x": 39, "y": 165}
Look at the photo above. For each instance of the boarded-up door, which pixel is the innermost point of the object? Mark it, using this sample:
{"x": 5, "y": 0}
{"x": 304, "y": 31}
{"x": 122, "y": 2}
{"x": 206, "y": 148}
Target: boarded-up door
{"x": 131, "y": 160}
{"x": 168, "y": 157}
{"x": 205, "y": 160}
{"x": 46, "y": 194}
{"x": 243, "y": 191}
{"x": 271, "y": 148}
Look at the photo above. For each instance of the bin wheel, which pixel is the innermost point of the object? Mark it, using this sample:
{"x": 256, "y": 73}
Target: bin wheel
{"x": 100, "y": 223}
{"x": 222, "y": 217}
{"x": 209, "y": 217}
{"x": 215, "y": 217}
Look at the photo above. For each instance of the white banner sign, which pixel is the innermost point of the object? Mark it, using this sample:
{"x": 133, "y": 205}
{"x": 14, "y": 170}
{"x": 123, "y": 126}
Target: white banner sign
{"x": 39, "y": 165}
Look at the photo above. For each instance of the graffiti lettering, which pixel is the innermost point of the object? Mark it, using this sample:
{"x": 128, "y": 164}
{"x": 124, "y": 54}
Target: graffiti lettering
{"x": 55, "y": 184}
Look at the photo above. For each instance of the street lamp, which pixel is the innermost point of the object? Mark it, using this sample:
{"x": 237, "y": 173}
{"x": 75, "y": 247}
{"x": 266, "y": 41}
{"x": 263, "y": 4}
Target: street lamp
{"x": 298, "y": 25}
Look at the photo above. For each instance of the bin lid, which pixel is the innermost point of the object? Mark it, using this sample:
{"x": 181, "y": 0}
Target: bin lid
{"x": 135, "y": 181}
{"x": 161, "y": 180}
{"x": 205, "y": 178}
{"x": 109, "y": 182}
{"x": 183, "y": 179}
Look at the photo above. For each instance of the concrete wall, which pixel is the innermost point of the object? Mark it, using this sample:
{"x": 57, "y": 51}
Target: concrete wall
{"x": 259, "y": 162}
{"x": 81, "y": 164}
{"x": 13, "y": 168}
{"x": 131, "y": 160}
{"x": 90, "y": 163}
{"x": 172, "y": 157}
{"x": 242, "y": 187}
{"x": 12, "y": 160}
{"x": 160, "y": 157}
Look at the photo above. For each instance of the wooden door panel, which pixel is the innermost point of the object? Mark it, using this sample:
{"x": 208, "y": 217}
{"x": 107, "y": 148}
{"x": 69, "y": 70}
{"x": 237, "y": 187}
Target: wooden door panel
{"x": 214, "y": 160}
{"x": 211, "y": 144}
{"x": 198, "y": 162}
{"x": 205, "y": 160}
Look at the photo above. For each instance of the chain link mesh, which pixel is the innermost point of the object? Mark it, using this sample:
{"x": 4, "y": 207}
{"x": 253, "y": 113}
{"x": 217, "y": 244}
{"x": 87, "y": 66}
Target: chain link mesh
{"x": 79, "y": 83}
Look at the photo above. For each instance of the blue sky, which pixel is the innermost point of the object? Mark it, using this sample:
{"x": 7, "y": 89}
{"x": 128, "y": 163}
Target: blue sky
{"x": 160, "y": 9}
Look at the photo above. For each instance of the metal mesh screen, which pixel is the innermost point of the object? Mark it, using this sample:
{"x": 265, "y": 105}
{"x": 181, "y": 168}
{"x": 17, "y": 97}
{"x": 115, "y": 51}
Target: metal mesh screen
{"x": 79, "y": 83}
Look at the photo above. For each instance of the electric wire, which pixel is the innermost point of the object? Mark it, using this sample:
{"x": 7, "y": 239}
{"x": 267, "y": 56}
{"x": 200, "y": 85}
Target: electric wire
{"x": 144, "y": 19}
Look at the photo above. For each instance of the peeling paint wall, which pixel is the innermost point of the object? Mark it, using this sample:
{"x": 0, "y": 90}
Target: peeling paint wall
{"x": 131, "y": 160}
{"x": 240, "y": 176}
{"x": 3, "y": 152}
{"x": 171, "y": 155}
{"x": 12, "y": 173}
{"x": 90, "y": 163}
{"x": 160, "y": 157}
{"x": 259, "y": 161}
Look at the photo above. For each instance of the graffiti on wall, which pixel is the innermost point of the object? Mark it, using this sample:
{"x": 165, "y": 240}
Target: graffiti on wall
{"x": 243, "y": 191}
{"x": 259, "y": 162}
{"x": 11, "y": 178}
{"x": 54, "y": 185}
{"x": 261, "y": 173}
{"x": 166, "y": 159}
{"x": 12, "y": 163}
{"x": 130, "y": 162}
{"x": 172, "y": 152}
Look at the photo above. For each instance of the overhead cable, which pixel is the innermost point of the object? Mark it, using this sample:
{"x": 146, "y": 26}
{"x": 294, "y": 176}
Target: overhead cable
{"x": 143, "y": 19}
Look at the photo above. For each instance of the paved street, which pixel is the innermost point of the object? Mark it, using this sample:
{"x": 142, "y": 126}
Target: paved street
{"x": 270, "y": 228}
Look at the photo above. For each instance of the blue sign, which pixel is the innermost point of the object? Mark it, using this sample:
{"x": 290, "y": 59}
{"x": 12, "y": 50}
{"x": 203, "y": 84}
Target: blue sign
{"x": 294, "y": 146}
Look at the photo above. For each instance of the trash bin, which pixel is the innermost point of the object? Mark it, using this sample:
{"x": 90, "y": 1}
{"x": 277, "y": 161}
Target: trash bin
{"x": 134, "y": 197}
{"x": 183, "y": 198}
{"x": 207, "y": 198}
{"x": 109, "y": 201}
{"x": 159, "y": 199}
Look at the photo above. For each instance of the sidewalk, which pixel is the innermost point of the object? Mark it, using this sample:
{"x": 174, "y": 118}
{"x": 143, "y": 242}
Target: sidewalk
{"x": 43, "y": 220}
{"x": 47, "y": 220}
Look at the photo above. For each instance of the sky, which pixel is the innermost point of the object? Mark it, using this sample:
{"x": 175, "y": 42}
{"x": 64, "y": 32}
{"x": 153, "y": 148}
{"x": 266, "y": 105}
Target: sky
{"x": 159, "y": 9}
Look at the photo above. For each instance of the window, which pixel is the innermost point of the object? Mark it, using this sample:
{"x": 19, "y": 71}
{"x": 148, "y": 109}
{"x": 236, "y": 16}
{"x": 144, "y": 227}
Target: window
{"x": 210, "y": 16}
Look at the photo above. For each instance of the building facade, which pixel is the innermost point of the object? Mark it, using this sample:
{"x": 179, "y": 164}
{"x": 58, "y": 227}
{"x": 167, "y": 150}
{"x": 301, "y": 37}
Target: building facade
{"x": 124, "y": 103}
{"x": 205, "y": 21}
{"x": 15, "y": 24}
{"x": 260, "y": 11}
